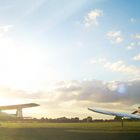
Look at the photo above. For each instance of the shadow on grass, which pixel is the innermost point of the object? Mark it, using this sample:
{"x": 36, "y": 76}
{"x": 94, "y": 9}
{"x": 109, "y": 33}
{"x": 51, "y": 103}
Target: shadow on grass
{"x": 62, "y": 134}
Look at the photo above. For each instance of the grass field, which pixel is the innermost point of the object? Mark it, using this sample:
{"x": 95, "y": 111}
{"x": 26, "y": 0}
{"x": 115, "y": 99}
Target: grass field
{"x": 70, "y": 131}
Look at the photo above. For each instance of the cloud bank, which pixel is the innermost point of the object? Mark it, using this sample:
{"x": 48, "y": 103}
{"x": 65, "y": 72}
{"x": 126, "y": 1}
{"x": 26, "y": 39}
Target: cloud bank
{"x": 82, "y": 93}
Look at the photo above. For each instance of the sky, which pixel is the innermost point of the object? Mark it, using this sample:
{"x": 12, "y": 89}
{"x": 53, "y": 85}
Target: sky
{"x": 69, "y": 55}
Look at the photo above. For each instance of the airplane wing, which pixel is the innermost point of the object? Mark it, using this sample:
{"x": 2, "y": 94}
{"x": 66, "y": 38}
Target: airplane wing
{"x": 9, "y": 107}
{"x": 119, "y": 114}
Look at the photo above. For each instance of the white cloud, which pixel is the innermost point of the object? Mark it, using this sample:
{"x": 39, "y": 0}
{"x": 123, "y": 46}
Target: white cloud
{"x": 137, "y": 36}
{"x": 135, "y": 42}
{"x": 92, "y": 17}
{"x": 115, "y": 36}
{"x": 118, "y": 66}
{"x": 131, "y": 46}
{"x": 137, "y": 57}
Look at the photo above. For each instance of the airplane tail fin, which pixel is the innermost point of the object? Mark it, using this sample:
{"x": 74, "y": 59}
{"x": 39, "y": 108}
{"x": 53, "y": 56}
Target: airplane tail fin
{"x": 136, "y": 111}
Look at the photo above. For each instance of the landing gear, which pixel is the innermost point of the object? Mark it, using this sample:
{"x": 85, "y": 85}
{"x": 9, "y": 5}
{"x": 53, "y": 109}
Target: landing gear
{"x": 19, "y": 112}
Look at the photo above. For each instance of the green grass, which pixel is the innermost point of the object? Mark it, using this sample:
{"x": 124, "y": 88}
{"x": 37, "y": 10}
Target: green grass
{"x": 70, "y": 131}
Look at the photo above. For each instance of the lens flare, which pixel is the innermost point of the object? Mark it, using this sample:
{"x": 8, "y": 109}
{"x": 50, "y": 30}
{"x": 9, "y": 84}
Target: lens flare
{"x": 122, "y": 89}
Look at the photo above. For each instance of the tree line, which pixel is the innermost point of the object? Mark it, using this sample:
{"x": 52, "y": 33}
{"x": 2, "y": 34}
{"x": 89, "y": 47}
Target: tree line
{"x": 61, "y": 119}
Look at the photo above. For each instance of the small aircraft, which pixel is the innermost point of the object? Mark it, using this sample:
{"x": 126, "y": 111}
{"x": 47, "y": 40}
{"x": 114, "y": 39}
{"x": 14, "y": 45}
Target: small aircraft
{"x": 133, "y": 115}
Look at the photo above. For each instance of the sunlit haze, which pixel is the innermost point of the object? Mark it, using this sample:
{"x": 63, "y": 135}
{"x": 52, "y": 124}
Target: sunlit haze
{"x": 69, "y": 55}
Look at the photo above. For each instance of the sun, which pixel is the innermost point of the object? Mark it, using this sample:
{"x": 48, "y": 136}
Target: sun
{"x": 21, "y": 66}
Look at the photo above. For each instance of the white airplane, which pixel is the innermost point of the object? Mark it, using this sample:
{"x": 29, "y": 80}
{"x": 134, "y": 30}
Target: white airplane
{"x": 134, "y": 115}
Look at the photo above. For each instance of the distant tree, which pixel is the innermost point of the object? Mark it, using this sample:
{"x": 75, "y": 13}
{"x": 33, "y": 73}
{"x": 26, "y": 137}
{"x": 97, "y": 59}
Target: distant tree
{"x": 42, "y": 119}
{"x": 76, "y": 119}
{"x": 87, "y": 119}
